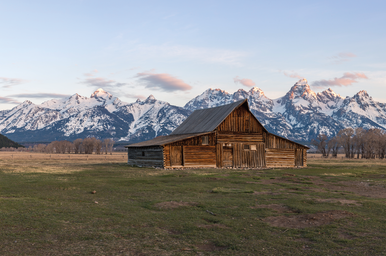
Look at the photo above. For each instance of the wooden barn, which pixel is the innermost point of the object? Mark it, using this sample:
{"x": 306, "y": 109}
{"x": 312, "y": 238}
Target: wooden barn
{"x": 225, "y": 136}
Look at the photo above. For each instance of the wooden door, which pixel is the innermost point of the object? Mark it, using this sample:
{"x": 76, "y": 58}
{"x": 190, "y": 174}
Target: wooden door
{"x": 227, "y": 158}
{"x": 176, "y": 156}
{"x": 298, "y": 157}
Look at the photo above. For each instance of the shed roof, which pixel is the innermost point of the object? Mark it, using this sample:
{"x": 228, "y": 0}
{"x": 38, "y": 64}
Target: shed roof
{"x": 162, "y": 140}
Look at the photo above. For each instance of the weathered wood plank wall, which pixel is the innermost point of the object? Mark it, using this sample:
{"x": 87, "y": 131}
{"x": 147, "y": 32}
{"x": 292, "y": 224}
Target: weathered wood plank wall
{"x": 240, "y": 120}
{"x": 273, "y": 141}
{"x": 196, "y": 141}
{"x": 280, "y": 157}
{"x": 149, "y": 156}
{"x": 199, "y": 156}
{"x": 239, "y": 137}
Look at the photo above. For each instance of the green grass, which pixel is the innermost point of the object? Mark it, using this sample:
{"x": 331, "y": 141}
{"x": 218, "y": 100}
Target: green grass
{"x": 184, "y": 212}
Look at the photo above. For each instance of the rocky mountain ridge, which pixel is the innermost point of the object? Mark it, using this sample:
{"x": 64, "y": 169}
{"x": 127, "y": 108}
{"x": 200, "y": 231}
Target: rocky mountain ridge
{"x": 300, "y": 115}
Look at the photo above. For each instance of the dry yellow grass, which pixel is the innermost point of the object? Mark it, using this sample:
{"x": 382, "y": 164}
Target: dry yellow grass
{"x": 24, "y": 162}
{"x": 342, "y": 160}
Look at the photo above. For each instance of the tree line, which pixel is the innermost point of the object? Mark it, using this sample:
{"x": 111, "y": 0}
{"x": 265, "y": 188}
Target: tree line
{"x": 356, "y": 143}
{"x": 79, "y": 146}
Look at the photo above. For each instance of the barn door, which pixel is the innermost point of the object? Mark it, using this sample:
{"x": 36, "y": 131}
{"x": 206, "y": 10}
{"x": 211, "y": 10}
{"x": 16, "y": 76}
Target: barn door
{"x": 176, "y": 156}
{"x": 298, "y": 157}
{"x": 227, "y": 158}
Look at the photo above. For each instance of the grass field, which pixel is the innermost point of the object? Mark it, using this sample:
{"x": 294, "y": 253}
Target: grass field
{"x": 100, "y": 206}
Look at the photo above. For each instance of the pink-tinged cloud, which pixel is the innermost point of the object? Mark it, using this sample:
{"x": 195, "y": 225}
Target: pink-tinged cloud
{"x": 102, "y": 83}
{"x": 7, "y": 100}
{"x": 6, "y": 82}
{"x": 346, "y": 80}
{"x": 92, "y": 73}
{"x": 293, "y": 75}
{"x": 164, "y": 82}
{"x": 244, "y": 81}
{"x": 342, "y": 57}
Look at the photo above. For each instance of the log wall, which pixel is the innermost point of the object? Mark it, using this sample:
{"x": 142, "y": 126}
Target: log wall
{"x": 280, "y": 157}
{"x": 199, "y": 156}
{"x": 189, "y": 156}
{"x": 146, "y": 156}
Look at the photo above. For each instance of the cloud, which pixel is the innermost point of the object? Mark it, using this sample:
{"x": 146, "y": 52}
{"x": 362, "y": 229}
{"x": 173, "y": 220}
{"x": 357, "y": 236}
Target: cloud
{"x": 91, "y": 74}
{"x": 102, "y": 82}
{"x": 134, "y": 96}
{"x": 342, "y": 57}
{"x": 9, "y": 82}
{"x": 244, "y": 81}
{"x": 293, "y": 75}
{"x": 164, "y": 82}
{"x": 40, "y": 95}
{"x": 346, "y": 80}
{"x": 7, "y": 100}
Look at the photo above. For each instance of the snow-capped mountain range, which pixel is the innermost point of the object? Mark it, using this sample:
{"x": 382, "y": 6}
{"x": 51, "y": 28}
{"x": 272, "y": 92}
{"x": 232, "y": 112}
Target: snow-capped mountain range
{"x": 299, "y": 115}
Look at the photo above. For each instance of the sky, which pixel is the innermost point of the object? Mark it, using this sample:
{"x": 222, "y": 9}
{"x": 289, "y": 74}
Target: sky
{"x": 175, "y": 50}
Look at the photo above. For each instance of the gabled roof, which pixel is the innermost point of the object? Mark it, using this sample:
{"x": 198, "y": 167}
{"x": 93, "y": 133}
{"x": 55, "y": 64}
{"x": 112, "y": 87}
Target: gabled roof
{"x": 207, "y": 120}
{"x": 162, "y": 140}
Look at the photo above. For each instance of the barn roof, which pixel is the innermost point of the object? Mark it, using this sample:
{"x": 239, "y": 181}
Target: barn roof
{"x": 162, "y": 140}
{"x": 207, "y": 120}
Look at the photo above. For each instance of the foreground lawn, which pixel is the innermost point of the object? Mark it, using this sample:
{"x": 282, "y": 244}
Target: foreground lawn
{"x": 333, "y": 207}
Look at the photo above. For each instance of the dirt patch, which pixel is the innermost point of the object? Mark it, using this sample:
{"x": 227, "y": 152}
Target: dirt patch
{"x": 307, "y": 220}
{"x": 174, "y": 204}
{"x": 276, "y": 207}
{"x": 341, "y": 201}
{"x": 364, "y": 188}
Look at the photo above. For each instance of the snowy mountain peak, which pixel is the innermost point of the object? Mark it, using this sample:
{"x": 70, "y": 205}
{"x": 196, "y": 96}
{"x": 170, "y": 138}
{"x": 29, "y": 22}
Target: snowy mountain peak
{"x": 301, "y": 89}
{"x": 100, "y": 93}
{"x": 151, "y": 97}
{"x": 215, "y": 91}
{"x": 302, "y": 82}
{"x": 256, "y": 90}
{"x": 362, "y": 94}
{"x": 329, "y": 94}
{"x": 27, "y": 102}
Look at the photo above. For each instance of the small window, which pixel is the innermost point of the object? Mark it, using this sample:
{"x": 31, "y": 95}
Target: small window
{"x": 205, "y": 140}
{"x": 246, "y": 147}
{"x": 143, "y": 153}
{"x": 252, "y": 147}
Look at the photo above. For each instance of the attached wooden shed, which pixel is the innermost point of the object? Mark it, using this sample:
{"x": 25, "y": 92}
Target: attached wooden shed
{"x": 225, "y": 136}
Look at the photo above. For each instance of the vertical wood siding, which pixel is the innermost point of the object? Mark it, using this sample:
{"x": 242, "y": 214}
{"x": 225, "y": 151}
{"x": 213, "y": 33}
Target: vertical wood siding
{"x": 240, "y": 120}
{"x": 166, "y": 150}
{"x": 298, "y": 157}
{"x": 304, "y": 157}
